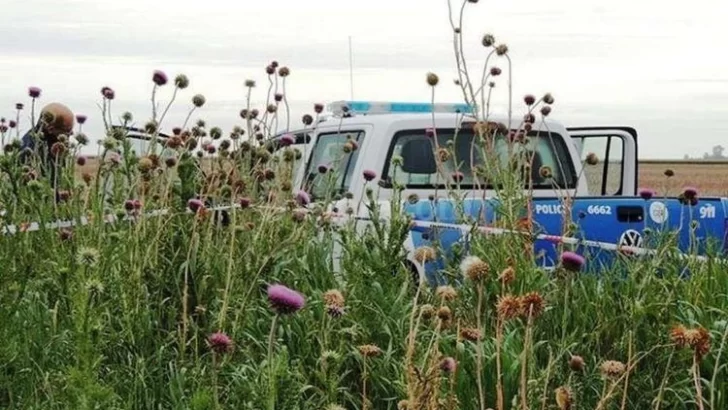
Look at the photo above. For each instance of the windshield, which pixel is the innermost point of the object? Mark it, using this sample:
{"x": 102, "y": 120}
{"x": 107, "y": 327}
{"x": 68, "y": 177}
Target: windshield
{"x": 416, "y": 148}
{"x": 332, "y": 163}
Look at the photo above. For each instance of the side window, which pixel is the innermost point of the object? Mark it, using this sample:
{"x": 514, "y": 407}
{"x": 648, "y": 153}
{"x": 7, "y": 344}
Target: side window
{"x": 604, "y": 178}
{"x": 334, "y": 155}
{"x": 419, "y": 168}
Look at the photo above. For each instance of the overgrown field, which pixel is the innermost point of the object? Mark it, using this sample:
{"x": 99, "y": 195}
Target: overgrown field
{"x": 196, "y": 309}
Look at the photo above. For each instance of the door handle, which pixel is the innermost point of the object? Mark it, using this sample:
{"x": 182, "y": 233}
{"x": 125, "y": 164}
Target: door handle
{"x": 630, "y": 213}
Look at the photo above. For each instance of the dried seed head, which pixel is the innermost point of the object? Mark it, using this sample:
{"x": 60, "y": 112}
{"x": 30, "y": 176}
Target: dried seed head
{"x": 284, "y": 72}
{"x": 529, "y": 99}
{"x": 270, "y": 70}
{"x": 545, "y": 172}
{"x": 576, "y": 363}
{"x": 318, "y": 108}
{"x": 198, "y": 100}
{"x": 507, "y": 276}
{"x": 370, "y": 350}
{"x": 532, "y": 304}
{"x": 432, "y": 79}
{"x": 444, "y": 313}
{"x": 424, "y": 254}
{"x": 669, "y": 173}
{"x": 563, "y": 398}
{"x": 446, "y": 293}
{"x": 495, "y": 71}
{"x": 307, "y": 119}
{"x": 470, "y": 334}
{"x": 545, "y": 110}
{"x": 612, "y": 369}
{"x": 699, "y": 340}
{"x": 501, "y": 50}
{"x": 427, "y": 311}
{"x": 592, "y": 159}
{"x": 488, "y": 40}
{"x": 334, "y": 297}
{"x": 548, "y": 98}
{"x": 181, "y": 81}
{"x": 508, "y": 307}
{"x": 474, "y": 268}
{"x": 403, "y": 405}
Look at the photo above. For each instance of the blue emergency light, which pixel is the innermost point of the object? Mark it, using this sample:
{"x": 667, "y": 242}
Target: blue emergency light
{"x": 377, "y": 107}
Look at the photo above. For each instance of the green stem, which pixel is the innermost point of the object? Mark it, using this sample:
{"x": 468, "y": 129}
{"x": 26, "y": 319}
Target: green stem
{"x": 271, "y": 382}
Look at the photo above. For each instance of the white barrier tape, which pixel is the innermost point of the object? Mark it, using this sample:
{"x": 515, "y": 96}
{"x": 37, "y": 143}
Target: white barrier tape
{"x": 34, "y": 226}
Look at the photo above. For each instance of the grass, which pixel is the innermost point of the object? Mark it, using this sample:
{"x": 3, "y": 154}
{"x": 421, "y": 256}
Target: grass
{"x": 177, "y": 311}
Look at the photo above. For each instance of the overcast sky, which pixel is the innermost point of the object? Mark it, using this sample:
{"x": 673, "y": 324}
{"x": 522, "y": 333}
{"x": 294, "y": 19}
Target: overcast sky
{"x": 654, "y": 65}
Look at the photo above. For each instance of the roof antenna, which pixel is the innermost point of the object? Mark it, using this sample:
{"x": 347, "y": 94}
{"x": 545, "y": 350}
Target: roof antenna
{"x": 351, "y": 70}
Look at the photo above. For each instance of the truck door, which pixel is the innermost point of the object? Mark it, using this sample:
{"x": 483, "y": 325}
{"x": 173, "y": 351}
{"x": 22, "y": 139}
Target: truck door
{"x": 616, "y": 149}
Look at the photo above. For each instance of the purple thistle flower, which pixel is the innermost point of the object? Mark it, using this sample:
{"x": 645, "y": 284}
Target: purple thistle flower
{"x": 108, "y": 93}
{"x": 287, "y": 140}
{"x": 572, "y": 261}
{"x": 284, "y": 300}
{"x": 430, "y": 132}
{"x": 129, "y": 205}
{"x": 318, "y": 108}
{"x": 195, "y": 205}
{"x": 448, "y": 365}
{"x": 34, "y": 92}
{"x": 302, "y": 198}
{"x": 19, "y": 106}
{"x": 369, "y": 175}
{"x": 220, "y": 342}
{"x": 322, "y": 169}
{"x": 690, "y": 192}
{"x": 12, "y": 124}
{"x": 244, "y": 203}
{"x": 80, "y": 118}
{"x": 81, "y": 160}
{"x": 458, "y": 176}
{"x": 159, "y": 78}
{"x": 647, "y": 193}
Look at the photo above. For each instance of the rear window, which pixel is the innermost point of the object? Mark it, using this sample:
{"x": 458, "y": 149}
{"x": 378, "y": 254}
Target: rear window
{"x": 416, "y": 148}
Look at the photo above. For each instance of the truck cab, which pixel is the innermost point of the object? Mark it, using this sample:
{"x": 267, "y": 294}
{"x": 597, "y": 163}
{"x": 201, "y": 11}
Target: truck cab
{"x": 606, "y": 206}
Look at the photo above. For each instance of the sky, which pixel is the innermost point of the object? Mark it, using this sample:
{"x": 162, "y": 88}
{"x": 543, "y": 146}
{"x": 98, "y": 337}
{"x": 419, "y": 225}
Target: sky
{"x": 653, "y": 65}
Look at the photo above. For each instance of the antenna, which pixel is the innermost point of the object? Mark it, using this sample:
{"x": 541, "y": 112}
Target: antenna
{"x": 351, "y": 69}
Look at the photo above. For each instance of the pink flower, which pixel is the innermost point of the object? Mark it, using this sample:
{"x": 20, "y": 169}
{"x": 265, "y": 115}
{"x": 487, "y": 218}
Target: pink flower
{"x": 284, "y": 300}
{"x": 195, "y": 205}
{"x": 287, "y": 140}
{"x": 34, "y": 92}
{"x": 302, "y": 198}
{"x": 572, "y": 261}
{"x": 220, "y": 343}
{"x": 448, "y": 365}
{"x": 369, "y": 175}
{"x": 108, "y": 93}
{"x": 646, "y": 193}
{"x": 159, "y": 78}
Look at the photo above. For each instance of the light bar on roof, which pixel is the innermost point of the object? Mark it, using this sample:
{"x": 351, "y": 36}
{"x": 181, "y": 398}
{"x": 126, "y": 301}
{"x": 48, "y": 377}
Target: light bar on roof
{"x": 376, "y": 107}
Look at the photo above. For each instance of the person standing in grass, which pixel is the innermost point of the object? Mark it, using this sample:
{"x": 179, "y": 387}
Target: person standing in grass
{"x": 55, "y": 120}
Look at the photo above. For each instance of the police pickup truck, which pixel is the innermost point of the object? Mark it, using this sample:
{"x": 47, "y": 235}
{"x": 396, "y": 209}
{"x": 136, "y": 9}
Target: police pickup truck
{"x": 610, "y": 214}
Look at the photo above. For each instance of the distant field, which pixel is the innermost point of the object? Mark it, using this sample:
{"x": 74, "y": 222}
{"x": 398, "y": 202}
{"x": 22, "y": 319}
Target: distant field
{"x": 711, "y": 178}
